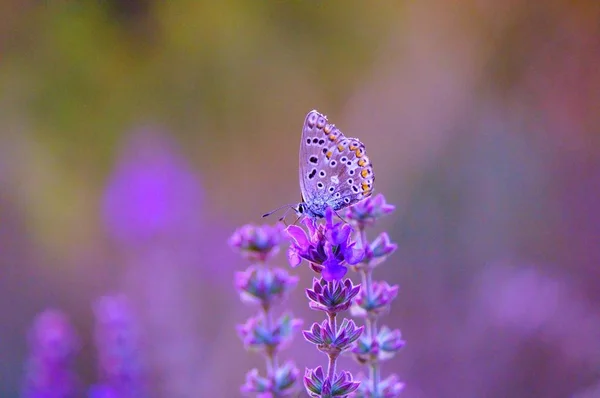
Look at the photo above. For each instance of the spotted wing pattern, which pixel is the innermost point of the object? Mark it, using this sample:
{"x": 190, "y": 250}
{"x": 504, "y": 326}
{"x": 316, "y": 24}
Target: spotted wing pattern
{"x": 334, "y": 169}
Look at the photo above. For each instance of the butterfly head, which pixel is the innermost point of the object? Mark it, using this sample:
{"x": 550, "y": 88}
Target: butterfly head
{"x": 313, "y": 210}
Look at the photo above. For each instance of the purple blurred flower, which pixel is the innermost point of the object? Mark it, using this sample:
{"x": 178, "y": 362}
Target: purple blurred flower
{"x": 280, "y": 386}
{"x": 264, "y": 286}
{"x": 151, "y": 192}
{"x": 318, "y": 385}
{"x": 331, "y": 297}
{"x": 117, "y": 343}
{"x": 258, "y": 335}
{"x": 375, "y": 302}
{"x": 384, "y": 346}
{"x": 53, "y": 345}
{"x": 368, "y": 211}
{"x": 333, "y": 342}
{"x": 103, "y": 391}
{"x": 376, "y": 252}
{"x": 390, "y": 387}
{"x": 257, "y": 242}
{"x": 327, "y": 247}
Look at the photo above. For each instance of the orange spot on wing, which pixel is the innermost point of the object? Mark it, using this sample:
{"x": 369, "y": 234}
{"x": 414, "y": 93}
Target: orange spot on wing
{"x": 358, "y": 153}
{"x": 362, "y": 163}
{"x": 328, "y": 154}
{"x": 327, "y": 129}
{"x": 364, "y": 173}
{"x": 353, "y": 147}
{"x": 340, "y": 147}
{"x": 332, "y": 137}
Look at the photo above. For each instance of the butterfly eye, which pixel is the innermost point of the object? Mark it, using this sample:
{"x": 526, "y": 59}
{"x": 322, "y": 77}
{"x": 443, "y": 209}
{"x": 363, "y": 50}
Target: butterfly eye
{"x": 300, "y": 208}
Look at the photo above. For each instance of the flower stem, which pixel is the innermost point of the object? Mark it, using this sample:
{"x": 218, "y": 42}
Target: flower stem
{"x": 371, "y": 320}
{"x": 332, "y": 357}
{"x": 271, "y": 351}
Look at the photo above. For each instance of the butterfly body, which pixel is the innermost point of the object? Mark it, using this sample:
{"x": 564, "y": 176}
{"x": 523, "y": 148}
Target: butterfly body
{"x": 334, "y": 169}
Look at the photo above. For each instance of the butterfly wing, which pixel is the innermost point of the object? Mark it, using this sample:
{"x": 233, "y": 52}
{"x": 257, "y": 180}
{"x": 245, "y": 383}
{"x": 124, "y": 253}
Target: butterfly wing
{"x": 351, "y": 174}
{"x": 314, "y": 144}
{"x": 333, "y": 168}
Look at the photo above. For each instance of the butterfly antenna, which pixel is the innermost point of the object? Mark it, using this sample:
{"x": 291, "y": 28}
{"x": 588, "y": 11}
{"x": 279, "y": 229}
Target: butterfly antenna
{"x": 282, "y": 218}
{"x": 340, "y": 217}
{"x": 277, "y": 209}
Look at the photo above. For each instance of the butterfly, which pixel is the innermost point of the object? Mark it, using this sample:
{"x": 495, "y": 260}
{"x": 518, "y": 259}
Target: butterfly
{"x": 334, "y": 169}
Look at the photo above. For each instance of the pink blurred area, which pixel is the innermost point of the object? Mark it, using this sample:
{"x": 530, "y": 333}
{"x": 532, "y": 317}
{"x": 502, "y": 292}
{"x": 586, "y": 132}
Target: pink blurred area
{"x": 135, "y": 136}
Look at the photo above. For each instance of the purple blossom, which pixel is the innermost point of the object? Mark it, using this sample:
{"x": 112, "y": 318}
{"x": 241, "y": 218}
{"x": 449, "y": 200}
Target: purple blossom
{"x": 265, "y": 286}
{"x": 279, "y": 386}
{"x": 261, "y": 285}
{"x": 366, "y": 212}
{"x": 390, "y": 387}
{"x": 151, "y": 191}
{"x": 333, "y": 342}
{"x": 331, "y": 297}
{"x": 53, "y": 345}
{"x": 117, "y": 343}
{"x": 375, "y": 302}
{"x": 377, "y": 252}
{"x": 259, "y": 335}
{"x": 384, "y": 346}
{"x": 257, "y": 242}
{"x": 318, "y": 385}
{"x": 327, "y": 247}
{"x": 374, "y": 299}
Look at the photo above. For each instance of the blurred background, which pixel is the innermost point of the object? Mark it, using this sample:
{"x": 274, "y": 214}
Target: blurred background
{"x": 136, "y": 135}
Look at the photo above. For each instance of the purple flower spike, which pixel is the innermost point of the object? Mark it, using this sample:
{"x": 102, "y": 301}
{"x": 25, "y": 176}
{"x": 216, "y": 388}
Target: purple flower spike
{"x": 117, "y": 341}
{"x": 377, "y": 252}
{"x": 384, "y": 346}
{"x": 377, "y": 302}
{"x": 281, "y": 386}
{"x": 391, "y": 387}
{"x": 332, "y": 297}
{"x": 258, "y": 335}
{"x": 368, "y": 211}
{"x": 313, "y": 380}
{"x": 328, "y": 248}
{"x": 264, "y": 285}
{"x": 333, "y": 342}
{"x": 49, "y": 369}
{"x": 257, "y": 243}
{"x": 317, "y": 385}
{"x": 256, "y": 384}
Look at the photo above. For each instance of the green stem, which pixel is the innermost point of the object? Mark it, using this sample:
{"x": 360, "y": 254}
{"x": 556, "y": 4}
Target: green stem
{"x": 371, "y": 320}
{"x": 271, "y": 350}
{"x": 332, "y": 357}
